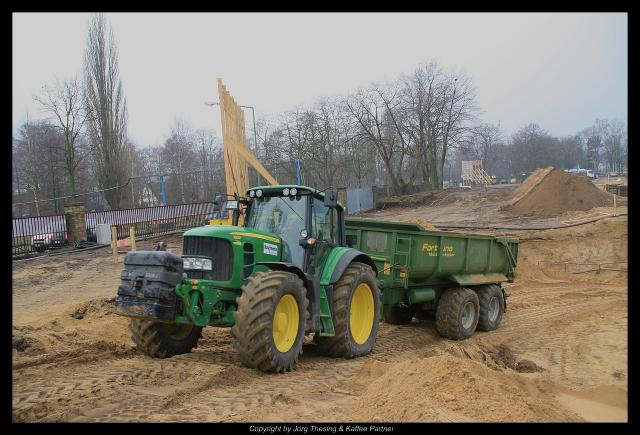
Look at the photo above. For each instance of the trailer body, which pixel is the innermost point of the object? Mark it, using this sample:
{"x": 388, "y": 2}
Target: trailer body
{"x": 416, "y": 266}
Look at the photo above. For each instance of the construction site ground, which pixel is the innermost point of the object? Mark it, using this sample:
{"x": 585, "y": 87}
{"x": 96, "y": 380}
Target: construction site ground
{"x": 559, "y": 355}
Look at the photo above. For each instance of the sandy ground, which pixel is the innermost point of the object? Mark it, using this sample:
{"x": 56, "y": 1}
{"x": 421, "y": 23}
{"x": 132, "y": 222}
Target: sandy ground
{"x": 560, "y": 354}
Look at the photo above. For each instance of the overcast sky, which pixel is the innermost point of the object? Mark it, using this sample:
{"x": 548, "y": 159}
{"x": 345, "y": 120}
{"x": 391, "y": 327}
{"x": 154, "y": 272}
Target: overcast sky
{"x": 559, "y": 70}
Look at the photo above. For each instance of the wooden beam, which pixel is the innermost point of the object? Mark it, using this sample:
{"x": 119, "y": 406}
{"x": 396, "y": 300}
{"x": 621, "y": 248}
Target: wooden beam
{"x": 236, "y": 154}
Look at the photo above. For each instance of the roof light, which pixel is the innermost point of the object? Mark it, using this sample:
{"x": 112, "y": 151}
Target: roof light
{"x": 285, "y": 191}
{"x": 259, "y": 193}
{"x": 252, "y": 193}
{"x": 293, "y": 191}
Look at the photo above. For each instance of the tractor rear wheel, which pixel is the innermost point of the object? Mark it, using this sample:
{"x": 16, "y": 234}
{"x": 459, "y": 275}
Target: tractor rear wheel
{"x": 491, "y": 307}
{"x": 397, "y": 315}
{"x": 164, "y": 340}
{"x": 356, "y": 313}
{"x": 457, "y": 313}
{"x": 270, "y": 321}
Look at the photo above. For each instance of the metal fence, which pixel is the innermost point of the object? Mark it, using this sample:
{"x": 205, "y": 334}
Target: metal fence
{"x": 576, "y": 268}
{"x": 359, "y": 199}
{"x": 149, "y": 221}
{"x": 34, "y": 235}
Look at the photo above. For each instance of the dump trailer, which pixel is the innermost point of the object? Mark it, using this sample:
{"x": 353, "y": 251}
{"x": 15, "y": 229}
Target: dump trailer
{"x": 452, "y": 277}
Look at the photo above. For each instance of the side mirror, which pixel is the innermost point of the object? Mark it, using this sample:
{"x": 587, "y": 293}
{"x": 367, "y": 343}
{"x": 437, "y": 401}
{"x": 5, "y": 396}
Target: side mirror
{"x": 331, "y": 198}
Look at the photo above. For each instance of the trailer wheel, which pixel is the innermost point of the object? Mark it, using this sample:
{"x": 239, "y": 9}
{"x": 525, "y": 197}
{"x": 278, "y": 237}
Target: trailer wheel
{"x": 270, "y": 321}
{"x": 457, "y": 313}
{"x": 164, "y": 340}
{"x": 397, "y": 315}
{"x": 491, "y": 307}
{"x": 356, "y": 314}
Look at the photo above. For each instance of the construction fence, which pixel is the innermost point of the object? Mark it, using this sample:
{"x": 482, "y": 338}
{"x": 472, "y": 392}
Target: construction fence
{"x": 35, "y": 235}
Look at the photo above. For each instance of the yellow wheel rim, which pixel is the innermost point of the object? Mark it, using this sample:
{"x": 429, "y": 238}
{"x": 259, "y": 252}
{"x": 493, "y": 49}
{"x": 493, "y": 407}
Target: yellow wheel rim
{"x": 286, "y": 320}
{"x": 361, "y": 313}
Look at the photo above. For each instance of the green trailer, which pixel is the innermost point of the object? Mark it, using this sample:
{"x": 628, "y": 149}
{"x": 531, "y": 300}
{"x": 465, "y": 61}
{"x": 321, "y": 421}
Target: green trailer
{"x": 453, "y": 277}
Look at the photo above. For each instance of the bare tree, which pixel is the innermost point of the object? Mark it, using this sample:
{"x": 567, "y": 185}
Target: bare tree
{"x": 37, "y": 165}
{"x": 384, "y": 129}
{"x": 106, "y": 108}
{"x": 484, "y": 140}
{"x": 459, "y": 111}
{"x": 64, "y": 102}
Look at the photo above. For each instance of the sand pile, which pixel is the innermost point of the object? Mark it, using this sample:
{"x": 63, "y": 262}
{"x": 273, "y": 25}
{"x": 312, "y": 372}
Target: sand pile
{"x": 552, "y": 192}
{"x": 446, "y": 388}
{"x": 427, "y": 226}
{"x": 528, "y": 184}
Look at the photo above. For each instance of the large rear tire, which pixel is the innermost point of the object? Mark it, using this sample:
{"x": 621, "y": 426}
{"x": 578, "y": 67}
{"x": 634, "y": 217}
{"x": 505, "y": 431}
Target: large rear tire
{"x": 356, "y": 314}
{"x": 164, "y": 340}
{"x": 270, "y": 321}
{"x": 457, "y": 313}
{"x": 491, "y": 301}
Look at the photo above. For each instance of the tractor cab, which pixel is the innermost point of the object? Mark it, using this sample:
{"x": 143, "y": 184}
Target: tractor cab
{"x": 307, "y": 221}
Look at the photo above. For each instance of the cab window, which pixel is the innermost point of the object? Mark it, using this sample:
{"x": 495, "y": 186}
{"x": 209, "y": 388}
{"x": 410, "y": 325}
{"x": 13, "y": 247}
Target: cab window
{"x": 325, "y": 222}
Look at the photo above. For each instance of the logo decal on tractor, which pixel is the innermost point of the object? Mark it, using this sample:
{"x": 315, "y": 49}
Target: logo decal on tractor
{"x": 270, "y": 249}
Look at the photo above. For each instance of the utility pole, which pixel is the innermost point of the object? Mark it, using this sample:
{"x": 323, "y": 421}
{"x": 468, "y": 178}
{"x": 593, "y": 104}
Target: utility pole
{"x": 164, "y": 197}
{"x": 133, "y": 202}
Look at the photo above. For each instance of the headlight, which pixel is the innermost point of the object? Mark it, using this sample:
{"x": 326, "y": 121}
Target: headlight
{"x": 192, "y": 263}
{"x": 304, "y": 234}
{"x": 259, "y": 193}
{"x": 285, "y": 192}
{"x": 293, "y": 191}
{"x": 252, "y": 193}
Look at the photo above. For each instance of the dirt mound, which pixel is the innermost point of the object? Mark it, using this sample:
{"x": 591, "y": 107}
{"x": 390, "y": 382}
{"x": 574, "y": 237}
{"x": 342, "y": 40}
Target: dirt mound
{"x": 531, "y": 181}
{"x": 427, "y": 226}
{"x": 447, "y": 388}
{"x": 556, "y": 192}
{"x": 96, "y": 307}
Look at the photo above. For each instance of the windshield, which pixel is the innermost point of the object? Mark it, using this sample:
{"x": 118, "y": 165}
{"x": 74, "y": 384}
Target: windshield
{"x": 283, "y": 216}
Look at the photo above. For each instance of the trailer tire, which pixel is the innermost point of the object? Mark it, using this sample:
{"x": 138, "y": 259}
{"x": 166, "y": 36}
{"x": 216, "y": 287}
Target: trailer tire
{"x": 358, "y": 279}
{"x": 491, "y": 301}
{"x": 271, "y": 320}
{"x": 164, "y": 340}
{"x": 397, "y": 315}
{"x": 457, "y": 313}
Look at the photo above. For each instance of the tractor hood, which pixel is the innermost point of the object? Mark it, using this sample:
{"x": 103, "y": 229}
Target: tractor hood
{"x": 236, "y": 235}
{"x": 244, "y": 249}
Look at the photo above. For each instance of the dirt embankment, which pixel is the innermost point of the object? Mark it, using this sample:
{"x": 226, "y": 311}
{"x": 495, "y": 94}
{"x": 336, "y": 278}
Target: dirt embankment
{"x": 552, "y": 192}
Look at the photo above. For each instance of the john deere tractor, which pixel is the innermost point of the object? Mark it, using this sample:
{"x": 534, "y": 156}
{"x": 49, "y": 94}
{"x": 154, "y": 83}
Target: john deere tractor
{"x": 282, "y": 275}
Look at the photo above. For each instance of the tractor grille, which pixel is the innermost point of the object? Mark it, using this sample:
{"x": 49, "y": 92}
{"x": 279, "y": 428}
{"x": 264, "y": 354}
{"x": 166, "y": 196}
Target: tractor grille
{"x": 219, "y": 250}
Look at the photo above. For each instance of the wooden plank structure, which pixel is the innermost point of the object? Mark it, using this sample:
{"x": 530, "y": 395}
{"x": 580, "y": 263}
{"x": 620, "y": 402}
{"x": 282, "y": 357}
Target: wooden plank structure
{"x": 473, "y": 173}
{"x": 236, "y": 154}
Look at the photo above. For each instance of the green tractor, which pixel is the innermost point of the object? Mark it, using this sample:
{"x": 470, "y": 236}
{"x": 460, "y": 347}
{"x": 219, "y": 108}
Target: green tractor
{"x": 285, "y": 273}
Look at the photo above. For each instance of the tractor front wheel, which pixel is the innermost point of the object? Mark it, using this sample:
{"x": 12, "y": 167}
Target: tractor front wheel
{"x": 356, "y": 313}
{"x": 164, "y": 340}
{"x": 270, "y": 321}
